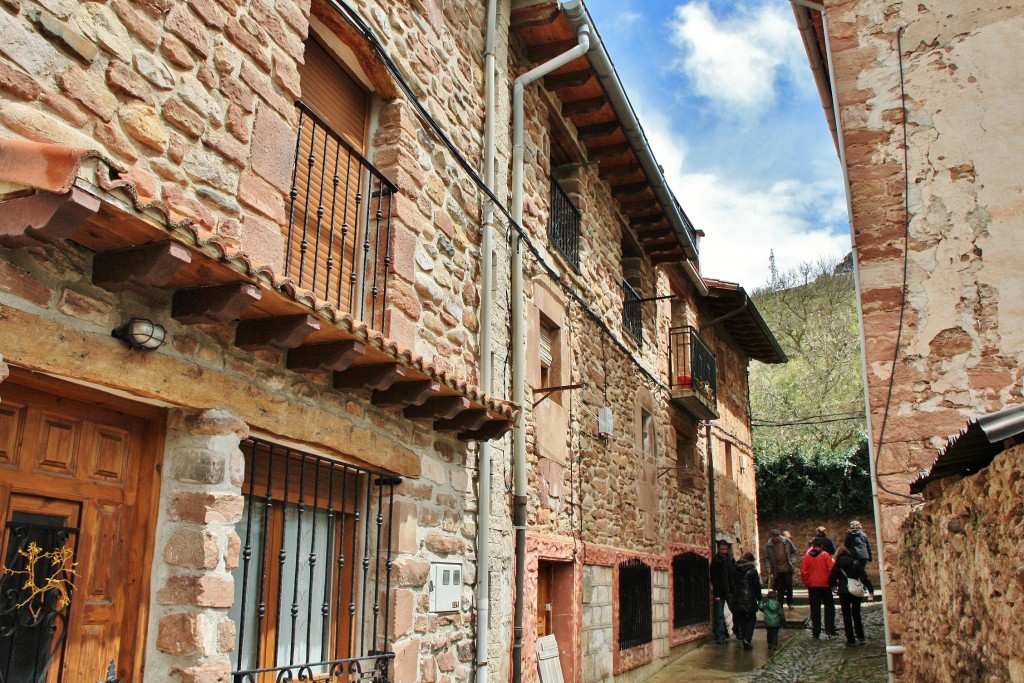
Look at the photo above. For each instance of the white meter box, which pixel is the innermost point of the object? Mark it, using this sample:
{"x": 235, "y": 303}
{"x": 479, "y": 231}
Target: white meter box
{"x": 445, "y": 587}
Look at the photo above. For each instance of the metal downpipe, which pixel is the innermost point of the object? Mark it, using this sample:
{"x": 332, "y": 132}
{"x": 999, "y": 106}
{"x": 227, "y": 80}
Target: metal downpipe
{"x": 518, "y": 333}
{"x": 483, "y": 542}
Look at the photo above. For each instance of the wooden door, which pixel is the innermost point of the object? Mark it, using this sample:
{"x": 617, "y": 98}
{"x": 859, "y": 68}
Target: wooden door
{"x": 70, "y": 478}
{"x": 544, "y": 597}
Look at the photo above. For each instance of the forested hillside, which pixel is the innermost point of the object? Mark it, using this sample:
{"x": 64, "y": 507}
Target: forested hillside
{"x": 808, "y": 414}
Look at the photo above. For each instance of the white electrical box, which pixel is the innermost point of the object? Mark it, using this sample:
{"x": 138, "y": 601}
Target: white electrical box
{"x": 605, "y": 421}
{"x": 445, "y": 587}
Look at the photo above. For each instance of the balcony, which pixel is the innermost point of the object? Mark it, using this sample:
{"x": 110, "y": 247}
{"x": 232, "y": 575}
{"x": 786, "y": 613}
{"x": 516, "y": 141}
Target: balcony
{"x": 339, "y": 223}
{"x": 564, "y": 225}
{"x": 632, "y": 313}
{"x": 693, "y": 373}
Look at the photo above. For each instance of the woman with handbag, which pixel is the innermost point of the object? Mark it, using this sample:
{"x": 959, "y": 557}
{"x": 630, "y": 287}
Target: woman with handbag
{"x": 848, "y": 577}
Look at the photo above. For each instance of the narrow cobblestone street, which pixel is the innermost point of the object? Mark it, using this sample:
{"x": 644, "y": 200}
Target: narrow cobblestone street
{"x": 799, "y": 659}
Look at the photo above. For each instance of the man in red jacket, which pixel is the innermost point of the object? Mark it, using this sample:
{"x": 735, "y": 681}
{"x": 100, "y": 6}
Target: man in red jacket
{"x": 814, "y": 570}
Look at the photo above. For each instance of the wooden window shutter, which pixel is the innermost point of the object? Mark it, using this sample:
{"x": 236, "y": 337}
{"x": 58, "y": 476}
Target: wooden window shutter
{"x": 334, "y": 95}
{"x": 546, "y": 338}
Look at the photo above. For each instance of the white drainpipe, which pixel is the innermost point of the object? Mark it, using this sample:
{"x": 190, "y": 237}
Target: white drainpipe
{"x": 483, "y": 542}
{"x": 518, "y": 330}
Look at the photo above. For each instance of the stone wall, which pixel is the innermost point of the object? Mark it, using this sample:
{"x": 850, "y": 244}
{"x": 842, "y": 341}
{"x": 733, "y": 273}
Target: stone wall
{"x": 957, "y": 205}
{"x": 962, "y": 579}
{"x": 598, "y": 645}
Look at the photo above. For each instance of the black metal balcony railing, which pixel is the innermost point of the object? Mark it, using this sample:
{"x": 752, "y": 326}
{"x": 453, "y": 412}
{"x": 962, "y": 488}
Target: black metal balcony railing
{"x": 691, "y": 363}
{"x": 339, "y": 222}
{"x": 564, "y": 225}
{"x": 313, "y": 587}
{"x": 632, "y": 312}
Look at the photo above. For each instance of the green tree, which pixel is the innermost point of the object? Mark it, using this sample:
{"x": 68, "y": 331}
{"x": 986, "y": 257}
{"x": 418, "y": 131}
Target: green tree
{"x": 817, "y": 398}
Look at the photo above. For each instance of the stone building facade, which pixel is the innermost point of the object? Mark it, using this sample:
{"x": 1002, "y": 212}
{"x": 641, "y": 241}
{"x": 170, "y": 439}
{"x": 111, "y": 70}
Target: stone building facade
{"x": 272, "y": 461}
{"x": 926, "y": 103}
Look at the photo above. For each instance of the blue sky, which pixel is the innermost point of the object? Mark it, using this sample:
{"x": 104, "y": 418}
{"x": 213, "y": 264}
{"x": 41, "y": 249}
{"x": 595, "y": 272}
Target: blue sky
{"x": 727, "y": 100}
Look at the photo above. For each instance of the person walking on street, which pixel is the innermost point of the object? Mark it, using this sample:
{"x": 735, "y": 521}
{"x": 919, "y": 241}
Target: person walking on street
{"x": 845, "y": 569}
{"x": 815, "y": 570}
{"x": 856, "y": 541}
{"x": 746, "y": 594}
{"x": 723, "y": 574}
{"x": 780, "y": 558}
{"x": 827, "y": 544}
{"x": 774, "y": 618}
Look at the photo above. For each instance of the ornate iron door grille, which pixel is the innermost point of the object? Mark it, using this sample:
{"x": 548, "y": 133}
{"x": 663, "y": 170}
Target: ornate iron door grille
{"x": 314, "y": 569}
{"x": 635, "y": 622}
{"x": 33, "y": 627}
{"x": 691, "y": 588}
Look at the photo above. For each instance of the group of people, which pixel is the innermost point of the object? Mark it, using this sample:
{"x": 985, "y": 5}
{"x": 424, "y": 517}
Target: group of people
{"x": 824, "y": 569}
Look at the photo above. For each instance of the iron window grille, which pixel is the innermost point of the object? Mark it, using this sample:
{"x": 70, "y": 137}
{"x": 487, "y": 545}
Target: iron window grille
{"x": 564, "y": 225}
{"x": 691, "y": 603}
{"x": 339, "y": 222}
{"x": 632, "y": 312}
{"x": 314, "y": 569}
{"x": 635, "y": 623}
{"x": 34, "y": 628}
{"x": 691, "y": 363}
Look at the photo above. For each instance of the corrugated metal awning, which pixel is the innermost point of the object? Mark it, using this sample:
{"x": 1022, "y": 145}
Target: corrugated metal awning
{"x": 975, "y": 446}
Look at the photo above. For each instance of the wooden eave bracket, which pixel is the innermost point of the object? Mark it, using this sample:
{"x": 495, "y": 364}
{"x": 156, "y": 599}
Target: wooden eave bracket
{"x": 402, "y": 394}
{"x": 214, "y": 303}
{"x": 141, "y": 267}
{"x": 336, "y": 356}
{"x": 437, "y": 408}
{"x": 379, "y": 376}
{"x": 467, "y": 420}
{"x": 492, "y": 429}
{"x": 42, "y": 217}
{"x": 285, "y": 332}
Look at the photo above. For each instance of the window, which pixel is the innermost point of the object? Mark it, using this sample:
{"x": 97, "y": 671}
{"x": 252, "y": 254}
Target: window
{"x": 564, "y": 225}
{"x": 339, "y": 213}
{"x": 548, "y": 343}
{"x": 648, "y": 439}
{"x": 312, "y": 587}
{"x": 691, "y": 589}
{"x": 635, "y": 625}
{"x": 687, "y": 462}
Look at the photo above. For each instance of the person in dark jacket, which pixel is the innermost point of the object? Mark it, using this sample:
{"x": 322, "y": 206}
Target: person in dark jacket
{"x": 815, "y": 570}
{"x": 827, "y": 544}
{"x": 844, "y": 569}
{"x": 746, "y": 595}
{"x": 856, "y": 541}
{"x": 723, "y": 573}
{"x": 781, "y": 561}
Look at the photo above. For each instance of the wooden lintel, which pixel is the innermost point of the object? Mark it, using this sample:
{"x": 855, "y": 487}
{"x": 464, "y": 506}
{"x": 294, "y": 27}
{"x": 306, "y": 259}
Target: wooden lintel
{"x": 533, "y": 16}
{"x": 471, "y": 419}
{"x": 597, "y": 130}
{"x": 214, "y": 303}
{"x": 44, "y": 217}
{"x": 570, "y": 79}
{"x": 380, "y": 376}
{"x": 337, "y": 356}
{"x": 406, "y": 393}
{"x": 545, "y": 51}
{"x": 141, "y": 267}
{"x": 590, "y": 105}
{"x": 284, "y": 332}
{"x": 493, "y": 429}
{"x": 437, "y": 408}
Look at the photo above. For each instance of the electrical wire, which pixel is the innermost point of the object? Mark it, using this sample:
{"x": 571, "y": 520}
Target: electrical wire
{"x": 807, "y": 423}
{"x": 903, "y": 287}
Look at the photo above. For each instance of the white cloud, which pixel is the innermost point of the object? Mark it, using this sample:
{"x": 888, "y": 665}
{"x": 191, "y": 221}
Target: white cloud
{"x": 628, "y": 19}
{"x": 737, "y": 62}
{"x": 800, "y": 220}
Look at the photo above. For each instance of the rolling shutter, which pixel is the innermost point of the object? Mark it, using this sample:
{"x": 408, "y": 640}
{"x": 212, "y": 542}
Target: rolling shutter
{"x": 546, "y": 334}
{"x": 335, "y": 96}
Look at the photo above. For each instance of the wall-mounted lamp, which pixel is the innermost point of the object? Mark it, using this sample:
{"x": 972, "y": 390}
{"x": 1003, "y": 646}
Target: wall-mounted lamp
{"x": 140, "y": 333}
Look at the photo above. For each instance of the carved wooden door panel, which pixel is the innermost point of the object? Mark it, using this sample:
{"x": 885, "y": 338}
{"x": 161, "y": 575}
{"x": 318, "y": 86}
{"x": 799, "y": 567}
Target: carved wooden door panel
{"x": 69, "y": 474}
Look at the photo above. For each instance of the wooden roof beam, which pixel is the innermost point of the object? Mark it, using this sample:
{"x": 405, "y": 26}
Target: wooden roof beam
{"x": 335, "y": 356}
{"x": 569, "y": 79}
{"x": 282, "y": 333}
{"x": 402, "y": 394}
{"x": 139, "y": 268}
{"x": 438, "y": 408}
{"x": 533, "y": 16}
{"x": 590, "y": 105}
{"x": 597, "y": 130}
{"x": 222, "y": 303}
{"x": 379, "y": 376}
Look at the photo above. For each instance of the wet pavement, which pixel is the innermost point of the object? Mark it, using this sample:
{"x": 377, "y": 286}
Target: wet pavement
{"x": 798, "y": 660}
